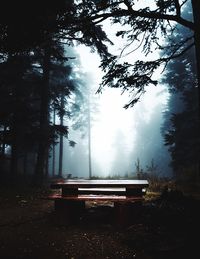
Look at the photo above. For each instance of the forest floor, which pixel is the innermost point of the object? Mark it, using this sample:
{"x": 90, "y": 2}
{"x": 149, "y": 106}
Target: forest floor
{"x": 166, "y": 226}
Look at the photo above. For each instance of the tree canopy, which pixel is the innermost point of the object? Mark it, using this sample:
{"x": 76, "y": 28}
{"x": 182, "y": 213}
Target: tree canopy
{"x": 146, "y": 26}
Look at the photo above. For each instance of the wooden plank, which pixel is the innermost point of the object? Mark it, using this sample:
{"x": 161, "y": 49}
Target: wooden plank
{"x": 109, "y": 191}
{"x": 103, "y": 189}
{"x": 92, "y": 197}
{"x": 100, "y": 183}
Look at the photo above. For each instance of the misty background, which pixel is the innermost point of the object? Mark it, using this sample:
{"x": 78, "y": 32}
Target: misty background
{"x": 119, "y": 137}
{"x": 125, "y": 142}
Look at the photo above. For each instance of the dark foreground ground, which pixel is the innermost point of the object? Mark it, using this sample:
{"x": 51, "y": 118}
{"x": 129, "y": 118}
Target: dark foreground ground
{"x": 165, "y": 227}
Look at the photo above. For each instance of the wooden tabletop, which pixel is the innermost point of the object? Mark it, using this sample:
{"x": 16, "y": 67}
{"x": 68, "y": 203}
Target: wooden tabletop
{"x": 100, "y": 183}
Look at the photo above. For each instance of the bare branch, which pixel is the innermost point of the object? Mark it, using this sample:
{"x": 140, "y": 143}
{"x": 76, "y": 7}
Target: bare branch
{"x": 183, "y": 2}
{"x": 100, "y": 20}
{"x": 120, "y": 55}
{"x": 133, "y": 49}
{"x": 174, "y": 56}
{"x": 182, "y": 52}
{"x": 143, "y": 14}
{"x": 174, "y": 45}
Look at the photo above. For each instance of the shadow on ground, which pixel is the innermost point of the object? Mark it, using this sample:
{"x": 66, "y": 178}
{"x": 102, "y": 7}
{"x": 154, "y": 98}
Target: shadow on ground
{"x": 163, "y": 228}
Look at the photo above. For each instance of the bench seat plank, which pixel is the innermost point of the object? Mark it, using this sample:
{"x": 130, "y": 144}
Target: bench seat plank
{"x": 92, "y": 197}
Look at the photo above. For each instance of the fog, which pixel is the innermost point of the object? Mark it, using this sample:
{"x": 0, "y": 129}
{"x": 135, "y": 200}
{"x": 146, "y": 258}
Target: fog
{"x": 119, "y": 137}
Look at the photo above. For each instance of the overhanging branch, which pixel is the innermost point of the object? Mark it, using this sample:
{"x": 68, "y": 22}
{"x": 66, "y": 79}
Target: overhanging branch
{"x": 142, "y": 14}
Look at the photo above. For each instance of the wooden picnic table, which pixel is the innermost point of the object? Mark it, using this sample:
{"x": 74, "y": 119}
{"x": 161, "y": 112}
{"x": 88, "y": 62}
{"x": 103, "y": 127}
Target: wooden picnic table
{"x": 124, "y": 187}
{"x": 125, "y": 194}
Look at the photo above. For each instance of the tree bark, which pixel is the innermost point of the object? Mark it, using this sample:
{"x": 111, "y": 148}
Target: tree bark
{"x": 61, "y": 138}
{"x": 54, "y": 148}
{"x": 196, "y": 16}
{"x": 15, "y": 133}
{"x": 89, "y": 139}
{"x": 47, "y": 163}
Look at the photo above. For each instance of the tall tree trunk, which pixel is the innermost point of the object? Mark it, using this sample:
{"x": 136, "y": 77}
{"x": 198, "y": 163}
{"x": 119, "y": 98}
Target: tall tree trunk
{"x": 54, "y": 147}
{"x": 89, "y": 149}
{"x": 89, "y": 139}
{"x": 47, "y": 163}
{"x": 44, "y": 111}
{"x": 196, "y": 15}
{"x": 15, "y": 133}
{"x": 61, "y": 138}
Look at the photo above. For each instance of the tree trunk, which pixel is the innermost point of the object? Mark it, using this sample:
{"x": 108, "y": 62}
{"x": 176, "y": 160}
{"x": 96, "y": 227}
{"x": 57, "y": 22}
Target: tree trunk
{"x": 47, "y": 163}
{"x": 196, "y": 15}
{"x": 15, "y": 133}
{"x": 54, "y": 147}
{"x": 89, "y": 139}
{"x": 61, "y": 138}
{"x": 44, "y": 112}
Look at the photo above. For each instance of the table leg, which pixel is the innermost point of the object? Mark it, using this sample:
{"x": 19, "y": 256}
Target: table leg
{"x": 126, "y": 213}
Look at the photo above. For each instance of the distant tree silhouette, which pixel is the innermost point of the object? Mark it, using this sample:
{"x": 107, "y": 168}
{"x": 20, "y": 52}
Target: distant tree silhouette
{"x": 138, "y": 169}
{"x": 19, "y": 86}
{"x": 83, "y": 112}
{"x": 181, "y": 124}
{"x": 62, "y": 85}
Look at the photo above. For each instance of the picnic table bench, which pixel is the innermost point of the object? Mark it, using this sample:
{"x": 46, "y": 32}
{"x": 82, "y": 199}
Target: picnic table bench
{"x": 74, "y": 194}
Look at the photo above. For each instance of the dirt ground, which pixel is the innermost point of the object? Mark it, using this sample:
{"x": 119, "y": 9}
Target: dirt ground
{"x": 165, "y": 227}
